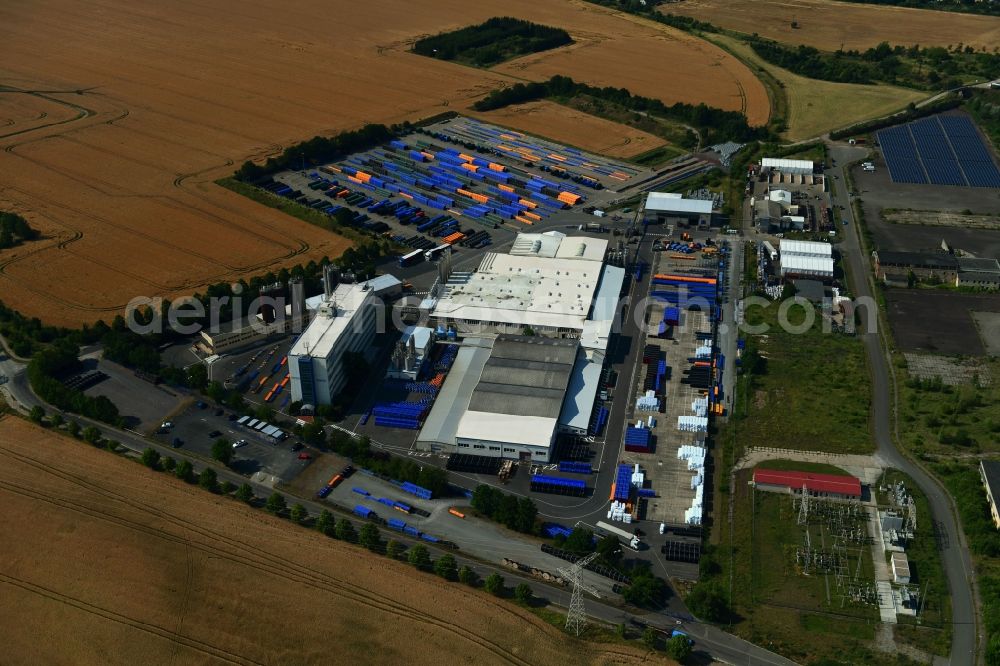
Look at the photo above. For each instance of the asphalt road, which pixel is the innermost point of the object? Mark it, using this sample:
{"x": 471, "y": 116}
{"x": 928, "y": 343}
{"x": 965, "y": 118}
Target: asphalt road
{"x": 954, "y": 550}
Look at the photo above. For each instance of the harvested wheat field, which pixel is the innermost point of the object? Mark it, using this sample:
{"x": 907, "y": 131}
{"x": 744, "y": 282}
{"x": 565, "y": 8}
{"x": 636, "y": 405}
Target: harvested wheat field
{"x": 639, "y": 55}
{"x": 164, "y": 98}
{"x": 106, "y": 562}
{"x": 563, "y": 124}
{"x": 817, "y": 107}
{"x": 829, "y": 25}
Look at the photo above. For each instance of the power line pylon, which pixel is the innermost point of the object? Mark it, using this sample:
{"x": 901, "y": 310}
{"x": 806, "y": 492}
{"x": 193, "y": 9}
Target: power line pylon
{"x": 576, "y": 618}
{"x": 804, "y": 507}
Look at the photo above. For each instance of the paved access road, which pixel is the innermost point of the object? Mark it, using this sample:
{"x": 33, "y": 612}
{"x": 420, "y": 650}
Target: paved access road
{"x": 954, "y": 550}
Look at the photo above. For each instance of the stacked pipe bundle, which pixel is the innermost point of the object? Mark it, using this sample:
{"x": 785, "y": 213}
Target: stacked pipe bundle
{"x": 692, "y": 423}
{"x": 407, "y": 415}
{"x": 575, "y": 467}
{"x": 558, "y": 486}
{"x": 687, "y": 291}
{"x": 637, "y": 439}
{"x": 621, "y": 490}
{"x": 413, "y": 489}
{"x": 599, "y": 420}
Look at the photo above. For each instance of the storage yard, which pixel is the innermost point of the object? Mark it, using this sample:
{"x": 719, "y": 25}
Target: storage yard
{"x": 677, "y": 385}
{"x": 830, "y": 25}
{"x": 130, "y": 176}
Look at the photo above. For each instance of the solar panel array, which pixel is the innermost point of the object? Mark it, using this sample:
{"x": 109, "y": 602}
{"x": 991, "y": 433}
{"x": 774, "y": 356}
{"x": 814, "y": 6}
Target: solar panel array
{"x": 942, "y": 150}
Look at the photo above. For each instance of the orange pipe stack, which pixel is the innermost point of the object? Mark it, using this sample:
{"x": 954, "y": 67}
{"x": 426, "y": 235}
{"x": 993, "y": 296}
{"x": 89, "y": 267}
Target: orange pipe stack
{"x": 569, "y": 198}
{"x": 509, "y": 137}
{"x": 454, "y": 238}
{"x": 557, "y": 157}
{"x": 532, "y": 216}
{"x": 526, "y": 202}
{"x": 505, "y": 188}
{"x": 456, "y": 513}
{"x": 330, "y": 169}
{"x": 362, "y": 176}
{"x": 354, "y": 180}
{"x": 470, "y": 167}
{"x": 405, "y": 195}
{"x": 497, "y": 167}
{"x": 429, "y": 156}
{"x": 467, "y": 158}
{"x": 523, "y": 219}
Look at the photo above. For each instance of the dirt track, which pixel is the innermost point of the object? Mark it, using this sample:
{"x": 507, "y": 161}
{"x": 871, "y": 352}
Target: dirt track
{"x": 119, "y": 178}
{"x": 106, "y": 562}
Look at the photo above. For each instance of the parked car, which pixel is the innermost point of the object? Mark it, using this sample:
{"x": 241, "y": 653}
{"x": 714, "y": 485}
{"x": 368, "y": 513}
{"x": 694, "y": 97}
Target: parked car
{"x": 347, "y": 471}
{"x": 232, "y": 417}
{"x": 240, "y": 442}
{"x": 200, "y": 405}
{"x": 178, "y": 442}
{"x": 214, "y": 434}
{"x": 297, "y": 446}
{"x": 167, "y": 425}
{"x": 305, "y": 456}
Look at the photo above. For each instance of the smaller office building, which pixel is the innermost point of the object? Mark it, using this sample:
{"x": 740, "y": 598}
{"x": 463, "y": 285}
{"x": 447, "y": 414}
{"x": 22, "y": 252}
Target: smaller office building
{"x": 671, "y": 208}
{"x": 989, "y": 472}
{"x": 817, "y": 485}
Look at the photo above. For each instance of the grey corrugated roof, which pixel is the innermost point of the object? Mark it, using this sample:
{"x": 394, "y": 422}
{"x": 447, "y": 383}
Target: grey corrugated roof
{"x": 979, "y": 264}
{"x": 917, "y": 259}
{"x": 525, "y": 376}
{"x": 991, "y": 470}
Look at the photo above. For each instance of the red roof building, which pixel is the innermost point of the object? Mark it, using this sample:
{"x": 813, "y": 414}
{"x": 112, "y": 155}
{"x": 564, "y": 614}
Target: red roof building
{"x": 817, "y": 484}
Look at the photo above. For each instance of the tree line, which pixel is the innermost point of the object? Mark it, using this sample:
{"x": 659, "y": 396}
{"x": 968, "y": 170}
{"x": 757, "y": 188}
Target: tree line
{"x": 988, "y": 7}
{"x": 321, "y": 150}
{"x": 361, "y": 454}
{"x": 493, "y": 41}
{"x": 715, "y": 125}
{"x": 15, "y": 230}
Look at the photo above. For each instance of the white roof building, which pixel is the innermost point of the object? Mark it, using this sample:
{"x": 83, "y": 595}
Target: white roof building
{"x": 546, "y": 283}
{"x": 783, "y": 197}
{"x": 806, "y": 249}
{"x": 787, "y": 166}
{"x": 670, "y": 202}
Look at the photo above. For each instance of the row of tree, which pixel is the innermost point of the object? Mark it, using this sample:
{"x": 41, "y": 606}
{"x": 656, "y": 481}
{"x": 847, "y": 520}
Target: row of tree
{"x": 46, "y": 371}
{"x": 14, "y": 230}
{"x": 988, "y": 7}
{"x": 360, "y": 452}
{"x": 715, "y": 125}
{"x": 518, "y": 514}
{"x": 495, "y": 40}
{"x": 321, "y": 150}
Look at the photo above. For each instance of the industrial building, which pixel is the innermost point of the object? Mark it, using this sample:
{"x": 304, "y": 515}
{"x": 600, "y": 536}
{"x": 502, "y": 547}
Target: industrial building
{"x": 670, "y": 208}
{"x": 509, "y": 396}
{"x": 411, "y": 353}
{"x": 798, "y": 167}
{"x": 549, "y": 285}
{"x": 806, "y": 259}
{"x": 989, "y": 472}
{"x": 900, "y": 568}
{"x": 346, "y": 321}
{"x": 776, "y": 212}
{"x": 817, "y": 485}
{"x": 895, "y": 267}
{"x": 262, "y": 325}
{"x": 981, "y": 273}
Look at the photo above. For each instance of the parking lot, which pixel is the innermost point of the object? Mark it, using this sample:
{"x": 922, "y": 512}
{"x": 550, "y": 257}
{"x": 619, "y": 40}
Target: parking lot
{"x": 196, "y": 429}
{"x": 141, "y": 403}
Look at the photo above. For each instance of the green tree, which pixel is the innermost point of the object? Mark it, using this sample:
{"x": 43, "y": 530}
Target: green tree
{"x": 298, "y": 513}
{"x": 168, "y": 464}
{"x": 345, "y": 531}
{"x": 275, "y": 504}
{"x": 580, "y": 540}
{"x": 393, "y": 549}
{"x": 73, "y": 428}
{"x": 325, "y": 522}
{"x": 610, "y": 550}
{"x": 419, "y": 557}
{"x": 56, "y": 420}
{"x": 494, "y": 584}
{"x": 650, "y": 638}
{"x": 245, "y": 493}
{"x": 707, "y": 602}
{"x": 197, "y": 377}
{"x": 226, "y": 487}
{"x": 679, "y": 648}
{"x": 446, "y": 567}
{"x": 646, "y": 590}
{"x": 150, "y": 457}
{"x": 91, "y": 435}
{"x": 523, "y": 594}
{"x": 467, "y": 576}
{"x": 621, "y": 630}
{"x": 36, "y": 414}
{"x": 222, "y": 451}
{"x": 208, "y": 479}
{"x": 184, "y": 471}
{"x": 370, "y": 537}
